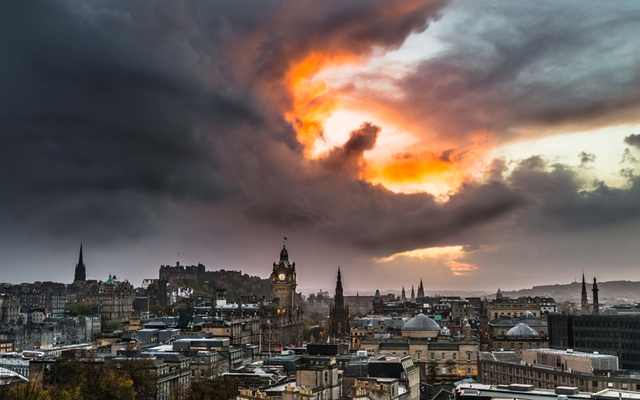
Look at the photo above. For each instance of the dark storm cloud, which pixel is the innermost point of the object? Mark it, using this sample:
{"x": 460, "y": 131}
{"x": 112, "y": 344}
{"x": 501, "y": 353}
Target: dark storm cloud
{"x": 348, "y": 158}
{"x": 586, "y": 158}
{"x": 565, "y": 66}
{"x": 111, "y": 110}
{"x": 333, "y": 29}
{"x": 564, "y": 202}
{"x": 633, "y": 140}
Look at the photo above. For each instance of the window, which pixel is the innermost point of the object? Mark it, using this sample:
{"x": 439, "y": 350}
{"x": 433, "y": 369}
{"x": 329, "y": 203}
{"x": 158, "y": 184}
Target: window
{"x": 444, "y": 356}
{"x": 468, "y": 371}
{"x": 418, "y": 355}
{"x": 594, "y": 384}
{"x": 609, "y": 384}
{"x": 454, "y": 356}
{"x": 433, "y": 356}
{"x": 468, "y": 356}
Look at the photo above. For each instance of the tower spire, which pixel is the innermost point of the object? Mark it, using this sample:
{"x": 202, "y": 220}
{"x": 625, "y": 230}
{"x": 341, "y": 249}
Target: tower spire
{"x": 81, "y": 270}
{"x": 584, "y": 300}
{"x": 596, "y": 305}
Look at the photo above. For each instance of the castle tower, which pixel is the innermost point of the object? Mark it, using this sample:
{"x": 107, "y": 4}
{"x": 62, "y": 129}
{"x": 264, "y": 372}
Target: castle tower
{"x": 584, "y": 301}
{"x": 596, "y": 304}
{"x": 81, "y": 269}
{"x": 339, "y": 313}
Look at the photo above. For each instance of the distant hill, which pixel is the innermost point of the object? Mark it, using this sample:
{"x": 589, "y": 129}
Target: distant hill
{"x": 613, "y": 292}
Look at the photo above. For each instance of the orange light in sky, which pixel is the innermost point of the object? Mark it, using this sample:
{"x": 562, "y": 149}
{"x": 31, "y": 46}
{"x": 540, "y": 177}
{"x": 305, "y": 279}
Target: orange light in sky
{"x": 313, "y": 102}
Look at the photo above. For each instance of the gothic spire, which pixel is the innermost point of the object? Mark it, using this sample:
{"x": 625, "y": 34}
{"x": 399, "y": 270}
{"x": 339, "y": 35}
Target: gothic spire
{"x": 584, "y": 301}
{"x": 81, "y": 272}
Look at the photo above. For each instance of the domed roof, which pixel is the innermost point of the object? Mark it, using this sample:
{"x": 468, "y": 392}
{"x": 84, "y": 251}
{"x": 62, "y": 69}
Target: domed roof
{"x": 527, "y": 316}
{"x": 421, "y": 323}
{"x": 522, "y": 329}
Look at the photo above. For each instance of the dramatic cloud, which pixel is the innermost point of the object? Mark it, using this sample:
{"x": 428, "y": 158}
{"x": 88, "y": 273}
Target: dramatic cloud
{"x": 193, "y": 122}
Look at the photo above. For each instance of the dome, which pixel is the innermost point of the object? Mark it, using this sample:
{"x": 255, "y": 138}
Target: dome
{"x": 421, "y": 323}
{"x": 522, "y": 329}
{"x": 527, "y": 316}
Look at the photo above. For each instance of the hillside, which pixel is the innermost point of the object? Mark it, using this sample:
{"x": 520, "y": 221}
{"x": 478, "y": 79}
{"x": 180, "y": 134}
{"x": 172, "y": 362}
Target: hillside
{"x": 613, "y": 292}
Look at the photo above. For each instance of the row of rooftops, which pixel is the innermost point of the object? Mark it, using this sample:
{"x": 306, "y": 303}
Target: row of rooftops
{"x": 529, "y": 392}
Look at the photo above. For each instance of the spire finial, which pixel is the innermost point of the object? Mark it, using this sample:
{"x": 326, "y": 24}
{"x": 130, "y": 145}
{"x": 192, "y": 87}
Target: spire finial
{"x": 80, "y": 258}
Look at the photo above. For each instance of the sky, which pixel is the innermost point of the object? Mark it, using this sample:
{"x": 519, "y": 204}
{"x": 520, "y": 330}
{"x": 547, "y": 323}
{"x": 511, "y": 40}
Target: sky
{"x": 473, "y": 145}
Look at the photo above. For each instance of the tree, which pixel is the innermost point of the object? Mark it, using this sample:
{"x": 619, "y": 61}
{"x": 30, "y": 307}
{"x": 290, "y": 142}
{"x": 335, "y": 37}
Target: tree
{"x": 82, "y": 308}
{"x": 432, "y": 370}
{"x": 220, "y": 388}
{"x": 73, "y": 380}
{"x": 451, "y": 366}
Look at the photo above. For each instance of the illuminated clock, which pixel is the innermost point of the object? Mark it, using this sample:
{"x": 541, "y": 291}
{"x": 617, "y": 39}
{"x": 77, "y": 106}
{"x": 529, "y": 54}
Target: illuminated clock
{"x": 281, "y": 277}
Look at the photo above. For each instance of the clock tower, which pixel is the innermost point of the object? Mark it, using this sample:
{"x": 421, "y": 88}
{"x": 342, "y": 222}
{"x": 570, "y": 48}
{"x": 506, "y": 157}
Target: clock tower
{"x": 282, "y": 320}
{"x": 283, "y": 282}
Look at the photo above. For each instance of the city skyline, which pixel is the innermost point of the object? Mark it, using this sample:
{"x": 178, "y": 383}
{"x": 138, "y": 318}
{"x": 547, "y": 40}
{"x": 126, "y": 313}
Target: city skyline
{"x": 475, "y": 146}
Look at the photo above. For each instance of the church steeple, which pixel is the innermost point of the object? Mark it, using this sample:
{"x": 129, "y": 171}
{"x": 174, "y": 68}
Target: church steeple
{"x": 413, "y": 294}
{"x": 584, "y": 301}
{"x": 420, "y": 290}
{"x": 81, "y": 270}
{"x": 339, "y": 297}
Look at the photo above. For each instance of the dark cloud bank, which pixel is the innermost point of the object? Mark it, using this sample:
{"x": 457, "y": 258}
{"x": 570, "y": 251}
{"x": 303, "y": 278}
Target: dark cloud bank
{"x": 112, "y": 111}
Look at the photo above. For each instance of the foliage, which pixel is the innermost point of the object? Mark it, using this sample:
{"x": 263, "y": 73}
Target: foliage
{"x": 73, "y": 380}
{"x": 316, "y": 317}
{"x": 113, "y": 325}
{"x": 220, "y": 388}
{"x": 432, "y": 370}
{"x": 82, "y": 308}
{"x": 451, "y": 366}
{"x": 306, "y": 332}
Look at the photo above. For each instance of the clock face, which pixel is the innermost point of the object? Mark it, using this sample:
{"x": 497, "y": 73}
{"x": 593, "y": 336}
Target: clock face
{"x": 281, "y": 277}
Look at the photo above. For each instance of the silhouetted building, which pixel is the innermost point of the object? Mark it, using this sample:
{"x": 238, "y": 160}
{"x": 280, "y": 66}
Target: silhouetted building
{"x": 584, "y": 300}
{"x": 596, "y": 304}
{"x": 81, "y": 269}
{"x": 420, "y": 290}
{"x": 339, "y": 313}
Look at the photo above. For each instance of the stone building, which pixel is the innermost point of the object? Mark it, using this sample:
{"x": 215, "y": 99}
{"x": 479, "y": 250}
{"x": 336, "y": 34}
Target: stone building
{"x": 282, "y": 320}
{"x": 550, "y": 368}
{"x": 439, "y": 357}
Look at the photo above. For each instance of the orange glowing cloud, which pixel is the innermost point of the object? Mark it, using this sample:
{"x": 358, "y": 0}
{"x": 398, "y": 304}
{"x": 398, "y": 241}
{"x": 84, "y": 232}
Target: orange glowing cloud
{"x": 312, "y": 101}
{"x": 461, "y": 269}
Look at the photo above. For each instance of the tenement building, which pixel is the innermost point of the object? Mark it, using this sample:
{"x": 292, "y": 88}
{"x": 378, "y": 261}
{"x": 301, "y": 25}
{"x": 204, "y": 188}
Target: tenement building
{"x": 550, "y": 368}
